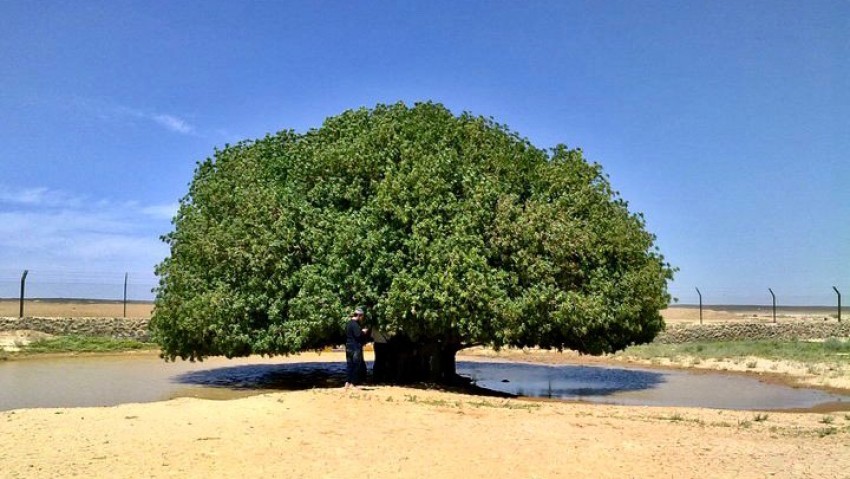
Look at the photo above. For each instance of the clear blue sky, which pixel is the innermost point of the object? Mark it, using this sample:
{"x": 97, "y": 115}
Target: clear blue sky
{"x": 727, "y": 123}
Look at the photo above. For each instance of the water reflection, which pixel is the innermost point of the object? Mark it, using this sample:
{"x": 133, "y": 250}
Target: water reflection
{"x": 642, "y": 387}
{"x": 563, "y": 382}
{"x": 106, "y": 381}
{"x": 283, "y": 377}
{"x": 599, "y": 384}
{"x": 514, "y": 379}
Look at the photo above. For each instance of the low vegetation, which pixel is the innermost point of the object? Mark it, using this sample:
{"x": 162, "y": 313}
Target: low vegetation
{"x": 829, "y": 351}
{"x": 84, "y": 344}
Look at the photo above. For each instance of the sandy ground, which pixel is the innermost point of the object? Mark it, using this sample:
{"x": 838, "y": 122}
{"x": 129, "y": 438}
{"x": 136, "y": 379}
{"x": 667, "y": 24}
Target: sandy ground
{"x": 395, "y": 432}
{"x": 378, "y": 432}
{"x": 13, "y": 341}
{"x": 74, "y": 309}
{"x": 710, "y": 315}
{"x": 672, "y": 315}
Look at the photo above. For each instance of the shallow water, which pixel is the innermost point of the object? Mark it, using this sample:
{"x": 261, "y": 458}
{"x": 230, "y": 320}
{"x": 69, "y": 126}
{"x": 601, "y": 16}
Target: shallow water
{"x": 105, "y": 380}
{"x": 111, "y": 380}
{"x": 645, "y": 387}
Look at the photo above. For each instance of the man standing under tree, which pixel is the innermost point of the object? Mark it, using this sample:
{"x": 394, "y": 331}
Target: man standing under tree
{"x": 355, "y": 337}
{"x": 461, "y": 232}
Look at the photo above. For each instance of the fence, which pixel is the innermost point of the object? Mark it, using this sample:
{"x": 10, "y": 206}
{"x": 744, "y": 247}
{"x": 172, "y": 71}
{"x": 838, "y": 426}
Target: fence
{"x": 43, "y": 293}
{"x": 771, "y": 305}
{"x": 46, "y": 293}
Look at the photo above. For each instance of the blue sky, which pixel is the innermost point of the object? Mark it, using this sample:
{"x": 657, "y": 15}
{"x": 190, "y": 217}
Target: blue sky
{"x": 726, "y": 123}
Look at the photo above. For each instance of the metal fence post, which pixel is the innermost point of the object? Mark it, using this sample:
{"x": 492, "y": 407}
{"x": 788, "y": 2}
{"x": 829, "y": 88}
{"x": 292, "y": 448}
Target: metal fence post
{"x": 23, "y": 286}
{"x": 774, "y": 304}
{"x": 700, "y": 305}
{"x": 839, "y": 302}
{"x": 125, "y": 295}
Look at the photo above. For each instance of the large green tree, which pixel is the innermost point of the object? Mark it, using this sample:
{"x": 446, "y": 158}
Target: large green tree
{"x": 451, "y": 231}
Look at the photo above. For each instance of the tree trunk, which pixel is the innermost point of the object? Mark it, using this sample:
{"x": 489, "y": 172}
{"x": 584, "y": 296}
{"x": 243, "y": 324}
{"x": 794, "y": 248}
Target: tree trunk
{"x": 402, "y": 361}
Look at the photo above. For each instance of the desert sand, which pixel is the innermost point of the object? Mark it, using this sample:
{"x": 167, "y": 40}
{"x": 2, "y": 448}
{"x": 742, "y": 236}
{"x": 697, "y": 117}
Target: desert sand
{"x": 74, "y": 308}
{"x": 675, "y": 314}
{"x": 384, "y": 431}
{"x": 748, "y": 314}
{"x": 380, "y": 432}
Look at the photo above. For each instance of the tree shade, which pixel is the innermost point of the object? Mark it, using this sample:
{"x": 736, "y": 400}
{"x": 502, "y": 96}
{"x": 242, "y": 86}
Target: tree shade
{"x": 450, "y": 230}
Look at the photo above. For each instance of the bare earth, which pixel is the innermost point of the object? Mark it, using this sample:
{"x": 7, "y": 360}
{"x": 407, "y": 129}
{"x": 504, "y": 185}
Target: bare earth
{"x": 749, "y": 314}
{"x": 74, "y": 309}
{"x": 672, "y": 315}
{"x": 380, "y": 432}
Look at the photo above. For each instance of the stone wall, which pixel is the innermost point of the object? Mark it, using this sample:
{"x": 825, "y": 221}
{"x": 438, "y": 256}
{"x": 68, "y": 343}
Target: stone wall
{"x": 125, "y": 328}
{"x": 686, "y": 333}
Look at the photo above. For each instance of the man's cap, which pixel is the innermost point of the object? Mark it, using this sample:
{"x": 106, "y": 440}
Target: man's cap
{"x": 358, "y": 312}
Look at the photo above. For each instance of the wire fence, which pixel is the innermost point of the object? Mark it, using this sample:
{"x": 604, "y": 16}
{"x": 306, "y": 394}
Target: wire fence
{"x": 76, "y": 293}
{"x": 115, "y": 294}
{"x": 770, "y": 305}
{"x": 823, "y": 295}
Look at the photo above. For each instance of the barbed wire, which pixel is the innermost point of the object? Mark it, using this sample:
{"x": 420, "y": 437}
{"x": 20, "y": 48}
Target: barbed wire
{"x": 48, "y": 283}
{"x": 99, "y": 285}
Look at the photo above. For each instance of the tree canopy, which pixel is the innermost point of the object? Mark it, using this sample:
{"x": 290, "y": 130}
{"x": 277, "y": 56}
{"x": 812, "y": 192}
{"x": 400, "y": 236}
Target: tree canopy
{"x": 445, "y": 228}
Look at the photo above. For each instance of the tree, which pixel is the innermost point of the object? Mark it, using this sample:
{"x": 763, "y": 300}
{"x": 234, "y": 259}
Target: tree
{"x": 451, "y": 231}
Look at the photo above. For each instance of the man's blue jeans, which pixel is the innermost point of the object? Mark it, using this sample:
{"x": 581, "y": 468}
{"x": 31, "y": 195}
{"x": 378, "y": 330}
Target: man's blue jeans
{"x": 353, "y": 358}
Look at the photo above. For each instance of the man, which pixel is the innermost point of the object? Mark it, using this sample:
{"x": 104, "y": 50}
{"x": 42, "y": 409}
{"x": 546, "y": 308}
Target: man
{"x": 355, "y": 336}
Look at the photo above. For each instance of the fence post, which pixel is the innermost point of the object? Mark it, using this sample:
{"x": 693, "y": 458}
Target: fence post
{"x": 125, "y": 295}
{"x": 23, "y": 286}
{"x": 700, "y": 305}
{"x": 839, "y": 302}
{"x": 774, "y": 304}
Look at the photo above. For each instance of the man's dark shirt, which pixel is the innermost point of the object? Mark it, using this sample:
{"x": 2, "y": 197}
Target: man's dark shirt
{"x": 354, "y": 337}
